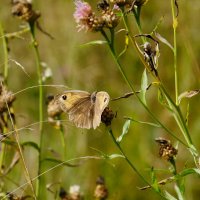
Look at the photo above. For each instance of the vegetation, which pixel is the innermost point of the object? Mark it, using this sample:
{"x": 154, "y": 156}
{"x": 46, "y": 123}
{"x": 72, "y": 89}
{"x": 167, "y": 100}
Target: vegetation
{"x": 144, "y": 54}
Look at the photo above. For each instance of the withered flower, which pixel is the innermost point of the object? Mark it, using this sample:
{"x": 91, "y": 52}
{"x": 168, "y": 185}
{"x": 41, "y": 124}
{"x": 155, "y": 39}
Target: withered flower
{"x": 109, "y": 18}
{"x": 5, "y": 97}
{"x": 107, "y": 116}
{"x": 151, "y": 54}
{"x": 166, "y": 151}
{"x": 54, "y": 111}
{"x": 123, "y": 3}
{"x": 101, "y": 191}
{"x": 23, "y": 9}
{"x": 140, "y": 2}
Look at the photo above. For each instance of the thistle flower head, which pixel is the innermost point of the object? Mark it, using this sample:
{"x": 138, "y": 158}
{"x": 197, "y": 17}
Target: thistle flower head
{"x": 82, "y": 14}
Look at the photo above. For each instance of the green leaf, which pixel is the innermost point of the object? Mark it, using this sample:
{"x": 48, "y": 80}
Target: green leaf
{"x": 31, "y": 144}
{"x": 143, "y": 122}
{"x": 189, "y": 171}
{"x": 179, "y": 193}
{"x": 187, "y": 114}
{"x": 168, "y": 196}
{"x": 9, "y": 142}
{"x": 188, "y": 94}
{"x": 163, "y": 40}
{"x": 60, "y": 162}
{"x": 154, "y": 180}
{"x": 124, "y": 130}
{"x": 112, "y": 156}
{"x": 125, "y": 46}
{"x": 162, "y": 100}
{"x": 144, "y": 86}
{"x": 95, "y": 42}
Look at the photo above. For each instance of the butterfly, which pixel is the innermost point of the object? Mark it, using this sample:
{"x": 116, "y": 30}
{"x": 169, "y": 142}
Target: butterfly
{"x": 84, "y": 109}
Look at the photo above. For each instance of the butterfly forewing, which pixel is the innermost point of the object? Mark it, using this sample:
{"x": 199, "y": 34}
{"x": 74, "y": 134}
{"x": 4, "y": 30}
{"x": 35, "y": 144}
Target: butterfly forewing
{"x": 102, "y": 100}
{"x": 68, "y": 99}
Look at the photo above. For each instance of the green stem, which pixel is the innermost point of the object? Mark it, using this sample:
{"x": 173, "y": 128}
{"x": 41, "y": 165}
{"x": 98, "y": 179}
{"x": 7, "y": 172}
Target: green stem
{"x": 178, "y": 115}
{"x": 3, "y": 150}
{"x": 175, "y": 50}
{"x": 174, "y": 171}
{"x": 17, "y": 34}
{"x": 132, "y": 89}
{"x": 130, "y": 163}
{"x": 40, "y": 82}
{"x": 62, "y": 137}
{"x": 5, "y": 50}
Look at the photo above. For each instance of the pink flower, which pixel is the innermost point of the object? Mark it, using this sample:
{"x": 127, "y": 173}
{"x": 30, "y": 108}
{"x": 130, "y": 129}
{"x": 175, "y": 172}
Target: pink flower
{"x": 82, "y": 14}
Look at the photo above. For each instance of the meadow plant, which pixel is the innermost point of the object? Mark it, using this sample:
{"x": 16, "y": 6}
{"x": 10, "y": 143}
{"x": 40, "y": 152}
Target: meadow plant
{"x": 109, "y": 20}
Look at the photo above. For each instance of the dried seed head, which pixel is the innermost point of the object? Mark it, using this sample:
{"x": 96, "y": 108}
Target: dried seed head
{"x": 166, "y": 151}
{"x": 23, "y": 10}
{"x": 5, "y": 97}
{"x": 140, "y": 2}
{"x": 109, "y": 18}
{"x": 101, "y": 191}
{"x": 151, "y": 55}
{"x": 54, "y": 111}
{"x": 53, "y": 108}
{"x": 63, "y": 194}
{"x": 107, "y": 116}
{"x": 122, "y": 3}
{"x": 103, "y": 5}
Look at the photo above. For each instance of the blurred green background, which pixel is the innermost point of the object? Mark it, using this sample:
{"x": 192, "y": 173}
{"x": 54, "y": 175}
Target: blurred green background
{"x": 92, "y": 68}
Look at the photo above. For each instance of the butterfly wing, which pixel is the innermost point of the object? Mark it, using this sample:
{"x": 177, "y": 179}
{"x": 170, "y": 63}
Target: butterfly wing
{"x": 102, "y": 100}
{"x": 79, "y": 106}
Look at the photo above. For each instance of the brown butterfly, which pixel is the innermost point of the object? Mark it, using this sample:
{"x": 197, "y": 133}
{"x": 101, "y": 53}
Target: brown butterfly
{"x": 83, "y": 108}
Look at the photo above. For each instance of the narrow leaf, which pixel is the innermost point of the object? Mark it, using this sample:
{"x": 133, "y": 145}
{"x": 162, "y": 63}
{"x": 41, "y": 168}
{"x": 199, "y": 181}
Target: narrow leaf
{"x": 61, "y": 162}
{"x": 179, "y": 193}
{"x": 187, "y": 113}
{"x": 31, "y": 144}
{"x": 95, "y": 42}
{"x": 162, "y": 100}
{"x": 143, "y": 122}
{"x": 190, "y": 171}
{"x": 154, "y": 180}
{"x": 112, "y": 156}
{"x": 188, "y": 94}
{"x": 163, "y": 40}
{"x": 144, "y": 86}
{"x": 124, "y": 130}
{"x": 169, "y": 196}
{"x": 125, "y": 46}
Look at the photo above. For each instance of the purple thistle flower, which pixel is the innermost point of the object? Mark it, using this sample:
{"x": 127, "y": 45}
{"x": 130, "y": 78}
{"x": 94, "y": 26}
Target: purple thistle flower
{"x": 82, "y": 14}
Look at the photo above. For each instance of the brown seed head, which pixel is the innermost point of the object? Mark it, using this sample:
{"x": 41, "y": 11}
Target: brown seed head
{"x": 107, "y": 116}
{"x": 166, "y": 151}
{"x": 101, "y": 191}
{"x": 24, "y": 11}
{"x": 5, "y": 97}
